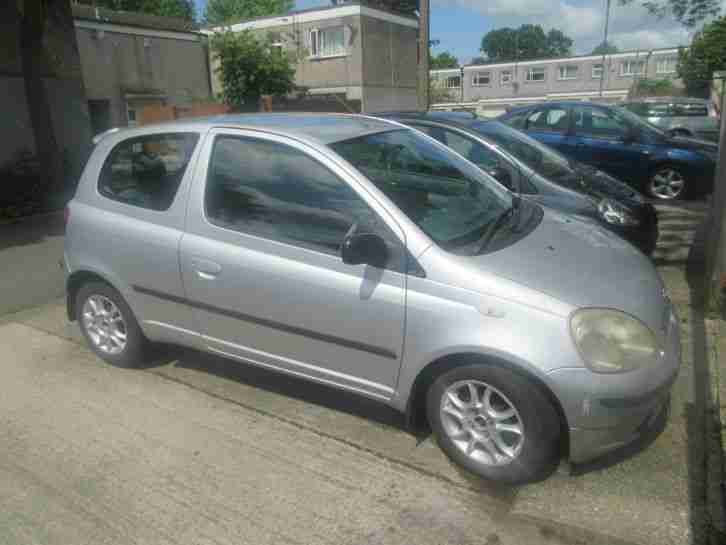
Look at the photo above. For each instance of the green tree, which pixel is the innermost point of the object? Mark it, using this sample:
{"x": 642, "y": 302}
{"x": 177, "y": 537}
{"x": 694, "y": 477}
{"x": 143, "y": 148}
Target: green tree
{"x": 167, "y": 8}
{"x": 525, "y": 43}
{"x": 558, "y": 44}
{"x": 706, "y": 54}
{"x": 605, "y": 48}
{"x": 443, "y": 60}
{"x": 219, "y": 12}
{"x": 687, "y": 12}
{"x": 250, "y": 67}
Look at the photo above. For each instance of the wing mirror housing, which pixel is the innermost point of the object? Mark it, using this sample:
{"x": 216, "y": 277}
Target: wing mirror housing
{"x": 364, "y": 248}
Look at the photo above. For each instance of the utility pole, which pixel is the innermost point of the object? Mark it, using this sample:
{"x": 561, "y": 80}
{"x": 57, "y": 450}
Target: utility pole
{"x": 423, "y": 55}
{"x": 604, "y": 43}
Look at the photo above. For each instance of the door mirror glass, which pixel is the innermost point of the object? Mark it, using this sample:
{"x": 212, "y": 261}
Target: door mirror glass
{"x": 364, "y": 248}
{"x": 630, "y": 134}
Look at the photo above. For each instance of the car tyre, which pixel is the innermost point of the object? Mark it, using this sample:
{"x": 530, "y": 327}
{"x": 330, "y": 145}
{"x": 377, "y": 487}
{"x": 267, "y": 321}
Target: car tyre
{"x": 109, "y": 326}
{"x": 499, "y": 453}
{"x": 668, "y": 182}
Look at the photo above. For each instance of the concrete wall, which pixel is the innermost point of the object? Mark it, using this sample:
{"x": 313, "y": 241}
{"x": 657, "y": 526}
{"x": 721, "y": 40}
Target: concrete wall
{"x": 377, "y": 68}
{"x": 59, "y": 66}
{"x": 389, "y": 66}
{"x": 123, "y": 68}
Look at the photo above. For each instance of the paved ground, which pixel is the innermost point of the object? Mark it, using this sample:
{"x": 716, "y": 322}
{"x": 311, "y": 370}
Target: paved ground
{"x": 200, "y": 450}
{"x": 29, "y": 254}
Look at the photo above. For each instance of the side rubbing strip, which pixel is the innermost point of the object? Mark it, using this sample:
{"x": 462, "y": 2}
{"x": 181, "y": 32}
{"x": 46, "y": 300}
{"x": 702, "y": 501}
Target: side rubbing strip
{"x": 355, "y": 345}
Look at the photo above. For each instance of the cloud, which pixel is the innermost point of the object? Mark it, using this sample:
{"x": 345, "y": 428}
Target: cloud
{"x": 631, "y": 27}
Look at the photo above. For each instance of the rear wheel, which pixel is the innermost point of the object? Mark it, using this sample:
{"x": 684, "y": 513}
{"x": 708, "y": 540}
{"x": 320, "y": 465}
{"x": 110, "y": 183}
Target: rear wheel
{"x": 495, "y": 423}
{"x": 668, "y": 182}
{"x": 109, "y": 326}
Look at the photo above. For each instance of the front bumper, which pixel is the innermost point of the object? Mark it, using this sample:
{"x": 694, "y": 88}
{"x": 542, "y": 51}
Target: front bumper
{"x": 617, "y": 410}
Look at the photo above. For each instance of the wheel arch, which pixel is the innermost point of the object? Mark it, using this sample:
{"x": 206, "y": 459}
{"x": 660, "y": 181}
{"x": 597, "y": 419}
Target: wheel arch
{"x": 74, "y": 283}
{"x": 415, "y": 415}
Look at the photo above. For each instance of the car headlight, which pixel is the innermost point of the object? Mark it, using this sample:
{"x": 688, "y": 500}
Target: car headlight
{"x": 615, "y": 213}
{"x": 610, "y": 341}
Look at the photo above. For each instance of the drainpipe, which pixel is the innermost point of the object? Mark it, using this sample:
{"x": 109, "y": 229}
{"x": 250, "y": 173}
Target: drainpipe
{"x": 461, "y": 79}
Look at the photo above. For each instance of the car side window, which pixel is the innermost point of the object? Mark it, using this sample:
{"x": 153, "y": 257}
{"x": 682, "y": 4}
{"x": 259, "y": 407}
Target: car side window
{"x": 549, "y": 119}
{"x": 597, "y": 123}
{"x": 275, "y": 191}
{"x": 146, "y": 171}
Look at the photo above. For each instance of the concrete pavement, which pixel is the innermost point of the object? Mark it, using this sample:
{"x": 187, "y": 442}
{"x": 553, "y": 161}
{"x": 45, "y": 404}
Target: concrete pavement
{"x": 29, "y": 252}
{"x": 204, "y": 450}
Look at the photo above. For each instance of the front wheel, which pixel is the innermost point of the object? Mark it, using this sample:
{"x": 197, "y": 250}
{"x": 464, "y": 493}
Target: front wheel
{"x": 495, "y": 423}
{"x": 667, "y": 183}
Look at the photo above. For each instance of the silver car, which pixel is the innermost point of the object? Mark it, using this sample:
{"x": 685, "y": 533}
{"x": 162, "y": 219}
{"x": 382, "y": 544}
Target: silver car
{"x": 679, "y": 116}
{"x": 362, "y": 254}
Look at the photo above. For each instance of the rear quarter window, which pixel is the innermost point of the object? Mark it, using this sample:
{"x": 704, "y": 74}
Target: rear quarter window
{"x": 146, "y": 171}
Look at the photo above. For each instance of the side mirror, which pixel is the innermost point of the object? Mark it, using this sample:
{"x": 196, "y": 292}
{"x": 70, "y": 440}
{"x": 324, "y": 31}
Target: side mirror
{"x": 502, "y": 176}
{"x": 364, "y": 248}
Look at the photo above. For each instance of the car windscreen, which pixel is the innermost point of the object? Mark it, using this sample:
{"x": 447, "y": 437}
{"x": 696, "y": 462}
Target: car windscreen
{"x": 450, "y": 199}
{"x": 543, "y": 160}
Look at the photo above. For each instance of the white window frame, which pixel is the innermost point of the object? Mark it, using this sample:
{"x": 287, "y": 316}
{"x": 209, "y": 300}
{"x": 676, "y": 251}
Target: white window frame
{"x": 317, "y": 42}
{"x": 629, "y": 72}
{"x": 475, "y": 81}
{"x": 661, "y": 65}
{"x": 508, "y": 80}
{"x": 593, "y": 71}
{"x": 449, "y": 79}
{"x": 529, "y": 74}
{"x": 563, "y": 68}
{"x": 132, "y": 122}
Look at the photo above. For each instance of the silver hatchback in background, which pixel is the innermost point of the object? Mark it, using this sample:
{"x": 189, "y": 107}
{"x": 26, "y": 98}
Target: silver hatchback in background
{"x": 365, "y": 255}
{"x": 679, "y": 116}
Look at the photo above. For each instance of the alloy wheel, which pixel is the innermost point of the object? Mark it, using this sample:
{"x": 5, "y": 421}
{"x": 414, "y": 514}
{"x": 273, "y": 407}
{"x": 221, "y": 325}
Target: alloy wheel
{"x": 104, "y": 324}
{"x": 667, "y": 183}
{"x": 482, "y": 422}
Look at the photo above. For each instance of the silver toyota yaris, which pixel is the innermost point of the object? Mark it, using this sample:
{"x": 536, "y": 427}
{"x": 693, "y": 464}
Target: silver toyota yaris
{"x": 365, "y": 255}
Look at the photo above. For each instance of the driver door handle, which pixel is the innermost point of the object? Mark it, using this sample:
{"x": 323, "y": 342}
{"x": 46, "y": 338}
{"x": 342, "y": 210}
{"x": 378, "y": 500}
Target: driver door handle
{"x": 205, "y": 268}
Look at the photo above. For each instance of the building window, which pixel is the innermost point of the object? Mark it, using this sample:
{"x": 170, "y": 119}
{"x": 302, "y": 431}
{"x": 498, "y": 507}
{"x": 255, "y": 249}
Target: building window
{"x": 632, "y": 68}
{"x": 568, "y": 71}
{"x": 666, "y": 65}
{"x": 327, "y": 42}
{"x": 596, "y": 71}
{"x": 535, "y": 74}
{"x": 130, "y": 115}
{"x": 481, "y": 79}
{"x": 505, "y": 77}
{"x": 453, "y": 82}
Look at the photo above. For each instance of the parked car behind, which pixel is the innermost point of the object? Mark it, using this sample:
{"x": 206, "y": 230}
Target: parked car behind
{"x": 542, "y": 174}
{"x": 620, "y": 143}
{"x": 679, "y": 116}
{"x": 366, "y": 256}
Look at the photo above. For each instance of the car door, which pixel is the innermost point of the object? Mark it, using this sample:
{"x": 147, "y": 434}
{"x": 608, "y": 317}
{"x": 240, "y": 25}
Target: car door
{"x": 261, "y": 264}
{"x": 550, "y": 125}
{"x": 606, "y": 141}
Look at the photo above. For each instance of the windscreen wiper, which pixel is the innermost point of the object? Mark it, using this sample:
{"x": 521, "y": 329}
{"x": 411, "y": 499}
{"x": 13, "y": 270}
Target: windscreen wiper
{"x": 499, "y": 222}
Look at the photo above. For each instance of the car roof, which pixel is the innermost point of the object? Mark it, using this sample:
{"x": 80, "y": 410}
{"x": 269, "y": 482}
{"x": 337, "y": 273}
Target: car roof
{"x": 324, "y": 128}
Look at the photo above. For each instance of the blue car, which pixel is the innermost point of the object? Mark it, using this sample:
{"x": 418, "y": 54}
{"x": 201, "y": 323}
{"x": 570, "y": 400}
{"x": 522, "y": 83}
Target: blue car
{"x": 618, "y": 142}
